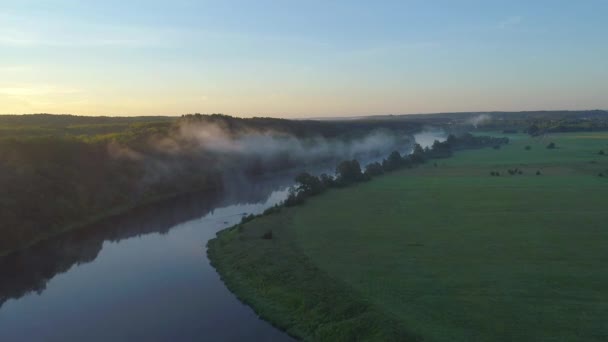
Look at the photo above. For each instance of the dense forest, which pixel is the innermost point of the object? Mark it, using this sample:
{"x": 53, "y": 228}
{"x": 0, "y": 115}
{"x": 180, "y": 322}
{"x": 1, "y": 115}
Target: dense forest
{"x": 61, "y": 171}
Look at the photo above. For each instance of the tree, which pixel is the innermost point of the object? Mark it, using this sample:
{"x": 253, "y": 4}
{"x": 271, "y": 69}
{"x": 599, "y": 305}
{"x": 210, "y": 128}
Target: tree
{"x": 451, "y": 140}
{"x": 327, "y": 180}
{"x": 393, "y": 162}
{"x": 308, "y": 184}
{"x": 294, "y": 198}
{"x": 441, "y": 149}
{"x": 374, "y": 169}
{"x": 348, "y": 171}
{"x": 418, "y": 154}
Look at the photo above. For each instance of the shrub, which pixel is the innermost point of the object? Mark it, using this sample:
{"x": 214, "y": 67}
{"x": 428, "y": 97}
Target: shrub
{"x": 551, "y": 145}
{"x": 267, "y": 235}
{"x": 528, "y": 147}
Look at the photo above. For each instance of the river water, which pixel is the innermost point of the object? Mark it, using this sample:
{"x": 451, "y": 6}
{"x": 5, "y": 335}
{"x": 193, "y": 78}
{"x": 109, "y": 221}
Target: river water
{"x": 143, "y": 276}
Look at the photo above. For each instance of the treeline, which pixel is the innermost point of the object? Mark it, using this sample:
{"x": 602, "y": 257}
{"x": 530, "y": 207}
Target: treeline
{"x": 538, "y": 123}
{"x": 48, "y": 125}
{"x": 54, "y": 181}
{"x": 350, "y": 172}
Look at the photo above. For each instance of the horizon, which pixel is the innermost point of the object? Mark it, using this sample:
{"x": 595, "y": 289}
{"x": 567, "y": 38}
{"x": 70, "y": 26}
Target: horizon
{"x": 344, "y": 117}
{"x": 309, "y": 60}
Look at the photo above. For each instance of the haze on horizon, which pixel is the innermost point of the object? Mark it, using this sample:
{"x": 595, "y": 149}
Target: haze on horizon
{"x": 301, "y": 59}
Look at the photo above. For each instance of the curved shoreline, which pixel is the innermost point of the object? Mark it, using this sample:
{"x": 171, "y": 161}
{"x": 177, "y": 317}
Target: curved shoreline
{"x": 311, "y": 314}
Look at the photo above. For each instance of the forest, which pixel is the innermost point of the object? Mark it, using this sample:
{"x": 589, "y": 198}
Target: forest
{"x": 58, "y": 172}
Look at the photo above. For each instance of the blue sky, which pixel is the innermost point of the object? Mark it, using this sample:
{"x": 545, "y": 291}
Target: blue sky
{"x": 301, "y": 58}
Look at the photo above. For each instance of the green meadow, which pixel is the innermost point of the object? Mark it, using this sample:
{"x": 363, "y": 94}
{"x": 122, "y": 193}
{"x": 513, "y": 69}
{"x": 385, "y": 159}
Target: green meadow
{"x": 440, "y": 252}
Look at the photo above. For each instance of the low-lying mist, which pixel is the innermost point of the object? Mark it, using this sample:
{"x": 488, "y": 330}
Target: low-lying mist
{"x": 193, "y": 148}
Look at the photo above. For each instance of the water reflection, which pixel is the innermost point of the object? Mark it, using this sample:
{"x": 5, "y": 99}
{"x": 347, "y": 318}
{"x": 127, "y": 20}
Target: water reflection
{"x": 150, "y": 286}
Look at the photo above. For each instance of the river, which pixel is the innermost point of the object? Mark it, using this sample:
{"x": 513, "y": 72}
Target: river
{"x": 143, "y": 276}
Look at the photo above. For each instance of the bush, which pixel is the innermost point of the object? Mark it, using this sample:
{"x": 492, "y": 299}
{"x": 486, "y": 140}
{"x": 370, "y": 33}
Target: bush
{"x": 528, "y": 147}
{"x": 267, "y": 235}
{"x": 551, "y": 146}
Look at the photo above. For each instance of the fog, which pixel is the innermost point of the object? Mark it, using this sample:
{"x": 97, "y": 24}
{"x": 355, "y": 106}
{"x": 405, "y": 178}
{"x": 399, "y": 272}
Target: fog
{"x": 193, "y": 149}
{"x": 427, "y": 137}
{"x": 479, "y": 120}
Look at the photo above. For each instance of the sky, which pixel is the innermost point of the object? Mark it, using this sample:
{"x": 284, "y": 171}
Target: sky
{"x": 301, "y": 58}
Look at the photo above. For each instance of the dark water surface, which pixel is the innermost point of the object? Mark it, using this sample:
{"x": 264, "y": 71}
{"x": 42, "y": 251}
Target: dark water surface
{"x": 143, "y": 276}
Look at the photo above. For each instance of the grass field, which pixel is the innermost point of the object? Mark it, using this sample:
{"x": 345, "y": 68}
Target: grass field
{"x": 442, "y": 252}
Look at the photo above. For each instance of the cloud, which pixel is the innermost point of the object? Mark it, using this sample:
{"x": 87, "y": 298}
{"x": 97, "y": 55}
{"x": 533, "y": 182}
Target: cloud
{"x": 510, "y": 22}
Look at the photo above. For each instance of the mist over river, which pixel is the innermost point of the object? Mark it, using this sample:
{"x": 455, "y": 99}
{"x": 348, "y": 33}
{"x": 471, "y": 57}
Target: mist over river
{"x": 141, "y": 276}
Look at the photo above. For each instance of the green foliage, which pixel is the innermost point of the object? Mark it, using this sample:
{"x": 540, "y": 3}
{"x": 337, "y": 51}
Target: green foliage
{"x": 309, "y": 185}
{"x": 348, "y": 172}
{"x": 375, "y": 169}
{"x": 394, "y": 162}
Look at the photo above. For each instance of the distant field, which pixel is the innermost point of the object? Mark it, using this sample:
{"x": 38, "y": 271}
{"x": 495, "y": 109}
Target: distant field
{"x": 444, "y": 251}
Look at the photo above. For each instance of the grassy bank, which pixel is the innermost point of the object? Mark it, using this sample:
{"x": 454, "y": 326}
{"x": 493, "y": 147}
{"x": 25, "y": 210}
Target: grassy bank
{"x": 443, "y": 251}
